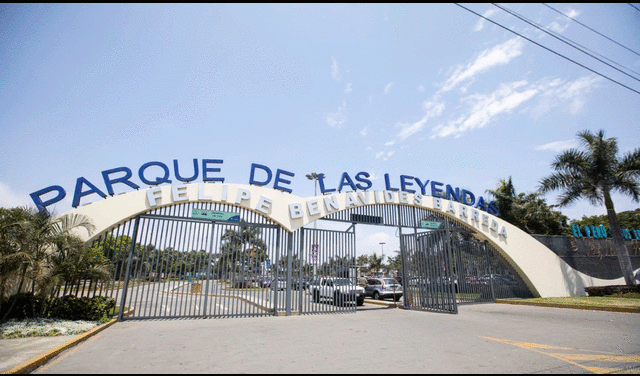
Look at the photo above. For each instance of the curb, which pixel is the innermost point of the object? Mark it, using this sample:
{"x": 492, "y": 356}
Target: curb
{"x": 569, "y": 306}
{"x": 35, "y": 362}
{"x": 383, "y": 303}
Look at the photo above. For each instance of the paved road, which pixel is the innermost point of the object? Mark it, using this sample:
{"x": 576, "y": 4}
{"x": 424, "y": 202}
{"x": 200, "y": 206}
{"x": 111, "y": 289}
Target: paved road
{"x": 487, "y": 338}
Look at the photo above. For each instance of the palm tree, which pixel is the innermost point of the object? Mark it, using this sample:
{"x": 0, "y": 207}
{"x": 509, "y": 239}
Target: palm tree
{"x": 376, "y": 262}
{"x": 37, "y": 236}
{"x": 594, "y": 173}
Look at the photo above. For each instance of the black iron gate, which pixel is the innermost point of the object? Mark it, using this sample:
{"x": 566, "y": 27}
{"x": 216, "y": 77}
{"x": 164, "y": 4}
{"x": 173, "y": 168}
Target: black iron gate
{"x": 428, "y": 270}
{"x": 171, "y": 263}
{"x": 327, "y": 271}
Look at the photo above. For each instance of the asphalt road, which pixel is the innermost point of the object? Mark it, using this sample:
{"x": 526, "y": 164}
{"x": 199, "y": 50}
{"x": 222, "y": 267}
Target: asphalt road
{"x": 485, "y": 338}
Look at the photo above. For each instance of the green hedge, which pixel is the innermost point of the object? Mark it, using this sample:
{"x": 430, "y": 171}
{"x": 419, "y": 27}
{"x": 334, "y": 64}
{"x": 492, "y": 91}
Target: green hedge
{"x": 66, "y": 307}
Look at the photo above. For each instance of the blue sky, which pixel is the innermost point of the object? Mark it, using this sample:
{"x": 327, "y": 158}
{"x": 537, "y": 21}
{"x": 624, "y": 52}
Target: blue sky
{"x": 426, "y": 90}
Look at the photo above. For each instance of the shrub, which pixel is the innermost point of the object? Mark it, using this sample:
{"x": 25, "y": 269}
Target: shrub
{"x": 611, "y": 290}
{"x": 26, "y": 305}
{"x": 82, "y": 308}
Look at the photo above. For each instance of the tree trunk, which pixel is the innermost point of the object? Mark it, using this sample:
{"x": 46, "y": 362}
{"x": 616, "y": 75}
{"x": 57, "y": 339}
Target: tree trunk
{"x": 621, "y": 248}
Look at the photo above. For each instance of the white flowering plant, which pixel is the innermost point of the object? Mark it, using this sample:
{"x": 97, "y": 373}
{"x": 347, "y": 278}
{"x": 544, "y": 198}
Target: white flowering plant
{"x": 44, "y": 327}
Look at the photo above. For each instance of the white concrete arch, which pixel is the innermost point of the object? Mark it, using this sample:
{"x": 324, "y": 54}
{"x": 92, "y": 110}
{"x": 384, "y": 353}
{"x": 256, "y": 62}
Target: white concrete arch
{"x": 544, "y": 272}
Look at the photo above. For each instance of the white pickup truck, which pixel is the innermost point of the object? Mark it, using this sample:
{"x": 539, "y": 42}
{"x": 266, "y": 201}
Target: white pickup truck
{"x": 339, "y": 290}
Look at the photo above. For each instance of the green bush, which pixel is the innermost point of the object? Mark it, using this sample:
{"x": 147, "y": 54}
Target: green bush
{"x": 82, "y": 308}
{"x": 26, "y": 305}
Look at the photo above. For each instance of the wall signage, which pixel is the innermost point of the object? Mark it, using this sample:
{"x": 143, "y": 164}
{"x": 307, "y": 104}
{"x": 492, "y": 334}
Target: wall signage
{"x": 430, "y": 224}
{"x": 209, "y": 170}
{"x": 600, "y": 232}
{"x": 215, "y": 215}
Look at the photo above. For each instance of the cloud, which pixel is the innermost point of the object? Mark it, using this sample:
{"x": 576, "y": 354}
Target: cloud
{"x": 335, "y": 71}
{"x": 364, "y": 132}
{"x": 390, "y": 143}
{"x": 384, "y": 155}
{"x": 10, "y": 199}
{"x": 557, "y": 146}
{"x": 573, "y": 13}
{"x": 387, "y": 88}
{"x": 498, "y": 55}
{"x": 420, "y": 88}
{"x": 483, "y": 109}
{"x": 338, "y": 118}
{"x": 348, "y": 89}
{"x": 432, "y": 108}
{"x": 567, "y": 96}
{"x": 480, "y": 24}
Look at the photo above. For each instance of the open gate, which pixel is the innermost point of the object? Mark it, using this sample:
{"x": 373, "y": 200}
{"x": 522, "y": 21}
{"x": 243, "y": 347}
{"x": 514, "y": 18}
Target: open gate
{"x": 428, "y": 272}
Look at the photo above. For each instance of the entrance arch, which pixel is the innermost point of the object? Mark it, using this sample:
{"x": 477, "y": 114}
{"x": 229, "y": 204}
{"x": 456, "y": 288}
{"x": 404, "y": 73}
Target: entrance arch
{"x": 544, "y": 273}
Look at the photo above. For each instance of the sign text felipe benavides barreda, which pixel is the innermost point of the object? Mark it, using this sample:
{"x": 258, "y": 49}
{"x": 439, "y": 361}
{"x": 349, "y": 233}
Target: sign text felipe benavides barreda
{"x": 209, "y": 170}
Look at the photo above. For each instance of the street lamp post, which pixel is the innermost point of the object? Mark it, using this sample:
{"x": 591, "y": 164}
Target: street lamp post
{"x": 382, "y": 250}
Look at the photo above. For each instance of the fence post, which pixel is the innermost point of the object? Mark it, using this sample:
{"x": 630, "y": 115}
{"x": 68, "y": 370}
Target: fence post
{"x": 126, "y": 277}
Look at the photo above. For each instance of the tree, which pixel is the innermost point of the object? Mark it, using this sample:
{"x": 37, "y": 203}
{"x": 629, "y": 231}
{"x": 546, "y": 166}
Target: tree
{"x": 628, "y": 219}
{"x": 395, "y": 263}
{"x": 241, "y": 250}
{"x": 594, "y": 173}
{"x": 528, "y": 211}
{"x": 376, "y": 262}
{"x": 37, "y": 236}
{"x": 363, "y": 263}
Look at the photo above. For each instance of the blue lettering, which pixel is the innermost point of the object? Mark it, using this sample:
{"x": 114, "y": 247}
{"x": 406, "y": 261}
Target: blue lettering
{"x": 186, "y": 180}
{"x": 78, "y": 192}
{"x": 263, "y": 168}
{"x": 587, "y": 231}
{"x": 164, "y": 179}
{"x": 206, "y": 169}
{"x": 322, "y": 188}
{"x": 451, "y": 192}
{"x": 346, "y": 180}
{"x": 494, "y": 209}
{"x": 463, "y": 196}
{"x": 481, "y": 204}
{"x": 35, "y": 196}
{"x": 363, "y": 180}
{"x": 388, "y": 184}
{"x": 435, "y": 192}
{"x": 576, "y": 231}
{"x": 278, "y": 180}
{"x": 404, "y": 182}
{"x": 125, "y": 179}
{"x": 423, "y": 187}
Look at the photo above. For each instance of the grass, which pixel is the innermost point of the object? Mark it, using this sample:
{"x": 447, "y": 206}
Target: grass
{"x": 628, "y": 300}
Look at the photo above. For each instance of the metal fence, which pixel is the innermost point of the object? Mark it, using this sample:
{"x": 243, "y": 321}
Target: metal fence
{"x": 175, "y": 262}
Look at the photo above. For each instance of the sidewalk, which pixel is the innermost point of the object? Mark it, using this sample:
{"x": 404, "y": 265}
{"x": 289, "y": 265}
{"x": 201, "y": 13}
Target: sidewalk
{"x": 18, "y": 350}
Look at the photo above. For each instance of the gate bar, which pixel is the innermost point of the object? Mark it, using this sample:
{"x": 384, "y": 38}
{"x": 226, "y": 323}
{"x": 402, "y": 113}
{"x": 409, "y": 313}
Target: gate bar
{"x": 126, "y": 277}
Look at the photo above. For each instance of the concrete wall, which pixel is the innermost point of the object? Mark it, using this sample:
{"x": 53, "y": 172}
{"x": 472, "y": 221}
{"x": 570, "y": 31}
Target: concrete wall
{"x": 594, "y": 257}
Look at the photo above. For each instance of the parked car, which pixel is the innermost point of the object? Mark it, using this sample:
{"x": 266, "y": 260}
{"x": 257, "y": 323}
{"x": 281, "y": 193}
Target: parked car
{"x": 382, "y": 288}
{"x": 339, "y": 290}
{"x": 296, "y": 283}
{"x": 281, "y": 284}
{"x": 241, "y": 282}
{"x": 265, "y": 282}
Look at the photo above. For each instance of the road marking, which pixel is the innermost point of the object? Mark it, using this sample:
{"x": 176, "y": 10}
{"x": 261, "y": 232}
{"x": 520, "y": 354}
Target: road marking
{"x": 570, "y": 357}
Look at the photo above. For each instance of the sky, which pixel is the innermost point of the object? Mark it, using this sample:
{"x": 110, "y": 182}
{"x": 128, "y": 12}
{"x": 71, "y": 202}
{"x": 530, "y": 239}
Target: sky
{"x": 426, "y": 90}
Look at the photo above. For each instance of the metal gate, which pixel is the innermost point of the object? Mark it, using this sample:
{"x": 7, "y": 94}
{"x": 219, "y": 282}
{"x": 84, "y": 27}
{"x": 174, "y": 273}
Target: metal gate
{"x": 428, "y": 270}
{"x": 327, "y": 270}
{"x": 175, "y": 262}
